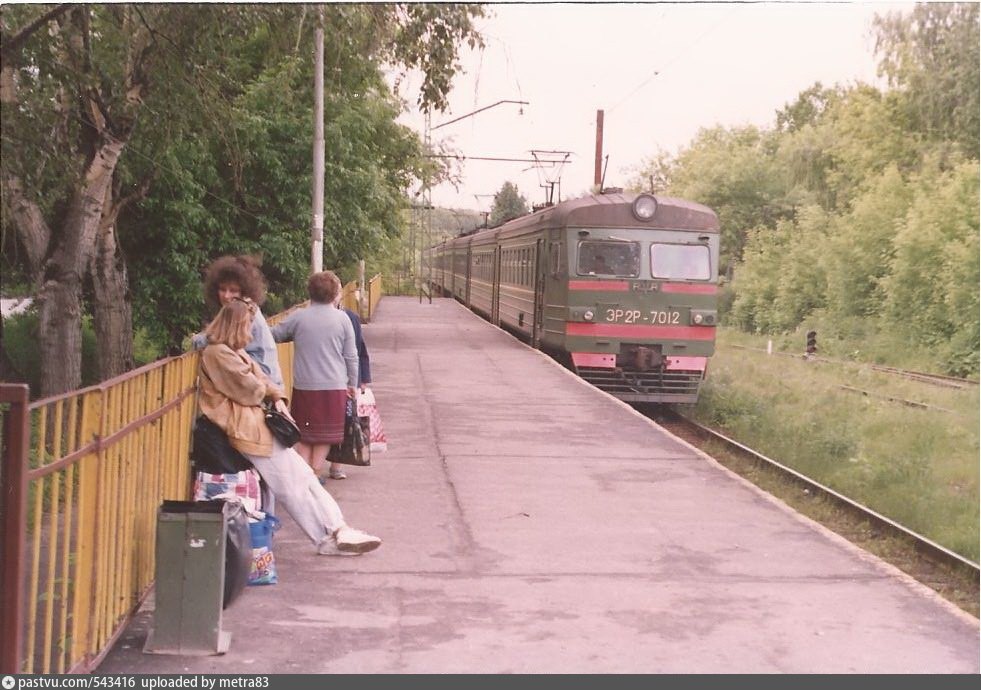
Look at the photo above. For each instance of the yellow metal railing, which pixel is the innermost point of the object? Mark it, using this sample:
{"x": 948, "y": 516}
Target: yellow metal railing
{"x": 82, "y": 477}
{"x": 374, "y": 295}
{"x": 99, "y": 462}
{"x": 350, "y": 299}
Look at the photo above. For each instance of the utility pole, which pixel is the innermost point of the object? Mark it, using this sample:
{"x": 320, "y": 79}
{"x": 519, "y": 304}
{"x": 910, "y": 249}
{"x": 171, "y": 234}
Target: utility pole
{"x": 428, "y": 201}
{"x": 317, "y": 227}
{"x": 597, "y": 171}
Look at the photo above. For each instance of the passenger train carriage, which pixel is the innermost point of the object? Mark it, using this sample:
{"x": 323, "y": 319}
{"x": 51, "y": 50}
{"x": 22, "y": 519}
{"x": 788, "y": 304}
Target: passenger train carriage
{"x": 623, "y": 286}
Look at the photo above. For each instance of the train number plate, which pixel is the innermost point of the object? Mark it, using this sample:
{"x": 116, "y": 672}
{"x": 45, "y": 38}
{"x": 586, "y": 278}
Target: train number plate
{"x": 638, "y": 316}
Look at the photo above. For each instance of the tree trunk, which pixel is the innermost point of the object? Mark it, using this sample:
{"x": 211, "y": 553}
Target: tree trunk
{"x": 113, "y": 308}
{"x": 61, "y": 293}
{"x": 60, "y": 330}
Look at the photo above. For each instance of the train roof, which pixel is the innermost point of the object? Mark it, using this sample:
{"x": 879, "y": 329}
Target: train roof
{"x": 604, "y": 210}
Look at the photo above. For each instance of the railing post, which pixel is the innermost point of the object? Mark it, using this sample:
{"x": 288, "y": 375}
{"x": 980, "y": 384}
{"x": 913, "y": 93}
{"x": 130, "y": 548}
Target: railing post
{"x": 13, "y": 522}
{"x": 84, "y": 644}
{"x": 368, "y": 316}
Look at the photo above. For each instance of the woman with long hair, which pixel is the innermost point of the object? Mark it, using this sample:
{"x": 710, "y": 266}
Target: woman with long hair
{"x": 233, "y": 388}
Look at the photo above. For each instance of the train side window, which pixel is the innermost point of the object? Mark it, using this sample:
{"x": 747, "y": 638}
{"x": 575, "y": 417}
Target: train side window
{"x": 680, "y": 261}
{"x": 609, "y": 258}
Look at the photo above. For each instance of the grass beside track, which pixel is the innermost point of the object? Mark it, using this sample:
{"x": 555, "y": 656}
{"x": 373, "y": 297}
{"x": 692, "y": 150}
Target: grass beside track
{"x": 916, "y": 466}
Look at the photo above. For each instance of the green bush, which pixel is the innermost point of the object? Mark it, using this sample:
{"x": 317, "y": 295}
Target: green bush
{"x": 21, "y": 346}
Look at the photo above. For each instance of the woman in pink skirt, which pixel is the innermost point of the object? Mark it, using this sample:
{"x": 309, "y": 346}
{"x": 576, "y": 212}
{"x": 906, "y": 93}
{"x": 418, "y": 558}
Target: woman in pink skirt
{"x": 325, "y": 368}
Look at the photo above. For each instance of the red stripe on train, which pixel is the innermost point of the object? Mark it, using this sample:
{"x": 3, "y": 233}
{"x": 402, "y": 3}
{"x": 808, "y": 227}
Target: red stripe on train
{"x": 618, "y": 330}
{"x": 689, "y": 288}
{"x": 601, "y": 285}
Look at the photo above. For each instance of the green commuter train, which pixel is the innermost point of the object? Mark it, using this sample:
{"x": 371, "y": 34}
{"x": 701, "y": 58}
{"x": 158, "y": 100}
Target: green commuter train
{"x": 620, "y": 286}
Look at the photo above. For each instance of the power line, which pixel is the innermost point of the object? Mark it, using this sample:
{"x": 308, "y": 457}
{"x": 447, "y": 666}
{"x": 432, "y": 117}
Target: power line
{"x": 677, "y": 57}
{"x": 461, "y": 157}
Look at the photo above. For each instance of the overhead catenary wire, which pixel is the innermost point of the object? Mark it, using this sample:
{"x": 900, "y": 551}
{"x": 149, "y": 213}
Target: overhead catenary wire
{"x": 657, "y": 72}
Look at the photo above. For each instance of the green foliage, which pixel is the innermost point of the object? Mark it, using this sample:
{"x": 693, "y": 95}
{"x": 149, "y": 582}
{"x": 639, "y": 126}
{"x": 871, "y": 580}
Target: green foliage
{"x": 859, "y": 209}
{"x": 426, "y": 37}
{"x": 20, "y": 347}
{"x": 509, "y": 204}
{"x": 859, "y": 247}
{"x": 936, "y": 267}
{"x": 932, "y": 56}
{"x": 224, "y": 136}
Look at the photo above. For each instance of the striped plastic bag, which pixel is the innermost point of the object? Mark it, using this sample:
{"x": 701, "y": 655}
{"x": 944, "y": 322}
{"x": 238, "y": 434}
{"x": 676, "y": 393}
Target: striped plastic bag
{"x": 368, "y": 407}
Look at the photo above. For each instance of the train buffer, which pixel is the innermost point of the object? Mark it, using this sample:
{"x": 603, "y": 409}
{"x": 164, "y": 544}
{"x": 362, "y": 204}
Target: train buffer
{"x": 532, "y": 523}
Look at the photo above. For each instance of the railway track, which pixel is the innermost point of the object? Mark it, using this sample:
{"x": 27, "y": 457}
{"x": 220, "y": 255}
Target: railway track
{"x": 923, "y": 377}
{"x": 936, "y": 379}
{"x": 952, "y": 575}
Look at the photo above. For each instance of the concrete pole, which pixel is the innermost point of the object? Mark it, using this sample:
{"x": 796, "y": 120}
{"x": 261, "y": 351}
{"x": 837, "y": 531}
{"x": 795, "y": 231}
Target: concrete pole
{"x": 317, "y": 227}
{"x": 429, "y": 207}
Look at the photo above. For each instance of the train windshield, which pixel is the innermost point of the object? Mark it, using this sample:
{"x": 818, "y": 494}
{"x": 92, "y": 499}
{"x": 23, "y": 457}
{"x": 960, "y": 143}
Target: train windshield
{"x": 680, "y": 261}
{"x": 609, "y": 258}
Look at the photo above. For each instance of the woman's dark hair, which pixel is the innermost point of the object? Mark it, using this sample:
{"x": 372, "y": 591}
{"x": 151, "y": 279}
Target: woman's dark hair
{"x": 323, "y": 287}
{"x": 242, "y": 270}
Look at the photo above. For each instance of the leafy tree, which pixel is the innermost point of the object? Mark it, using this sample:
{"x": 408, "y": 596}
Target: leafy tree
{"x": 931, "y": 55}
{"x": 931, "y": 291}
{"x": 858, "y": 210}
{"x": 860, "y": 246}
{"x": 218, "y": 157}
{"x": 508, "y": 205}
{"x": 807, "y": 108}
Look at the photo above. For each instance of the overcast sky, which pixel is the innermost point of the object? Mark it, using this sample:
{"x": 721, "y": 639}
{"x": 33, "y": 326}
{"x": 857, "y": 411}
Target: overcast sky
{"x": 659, "y": 71}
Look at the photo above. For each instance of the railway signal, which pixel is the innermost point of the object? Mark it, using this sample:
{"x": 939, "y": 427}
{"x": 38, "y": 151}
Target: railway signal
{"x": 811, "y": 348}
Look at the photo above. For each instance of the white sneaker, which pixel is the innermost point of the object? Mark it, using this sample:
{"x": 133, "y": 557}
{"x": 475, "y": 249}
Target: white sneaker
{"x": 350, "y": 540}
{"x": 328, "y": 547}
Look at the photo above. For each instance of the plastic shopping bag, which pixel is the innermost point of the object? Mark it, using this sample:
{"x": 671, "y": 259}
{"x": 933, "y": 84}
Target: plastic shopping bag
{"x": 355, "y": 449}
{"x": 368, "y": 408}
{"x": 263, "y": 570}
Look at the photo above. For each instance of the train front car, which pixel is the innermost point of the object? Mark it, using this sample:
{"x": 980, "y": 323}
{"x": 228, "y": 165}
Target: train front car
{"x": 640, "y": 284}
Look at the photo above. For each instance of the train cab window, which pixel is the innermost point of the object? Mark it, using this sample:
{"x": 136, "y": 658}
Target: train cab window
{"x": 609, "y": 259}
{"x": 680, "y": 261}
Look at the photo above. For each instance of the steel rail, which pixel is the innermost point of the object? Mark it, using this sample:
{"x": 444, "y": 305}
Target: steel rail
{"x": 929, "y": 378}
{"x": 927, "y": 547}
{"x": 940, "y": 379}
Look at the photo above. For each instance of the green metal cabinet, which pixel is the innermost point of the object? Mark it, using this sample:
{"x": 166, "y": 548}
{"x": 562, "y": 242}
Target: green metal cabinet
{"x": 190, "y": 581}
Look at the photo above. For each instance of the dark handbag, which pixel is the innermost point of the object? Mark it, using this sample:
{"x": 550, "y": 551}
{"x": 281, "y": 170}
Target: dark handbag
{"x": 211, "y": 452}
{"x": 355, "y": 448}
{"x": 282, "y": 427}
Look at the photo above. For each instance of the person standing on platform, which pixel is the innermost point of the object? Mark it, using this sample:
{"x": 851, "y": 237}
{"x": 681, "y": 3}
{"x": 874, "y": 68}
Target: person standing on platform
{"x": 233, "y": 388}
{"x": 325, "y": 368}
{"x": 228, "y": 278}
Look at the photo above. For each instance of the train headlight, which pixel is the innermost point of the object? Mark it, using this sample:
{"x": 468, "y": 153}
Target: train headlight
{"x": 588, "y": 315}
{"x": 644, "y": 207}
{"x": 704, "y": 317}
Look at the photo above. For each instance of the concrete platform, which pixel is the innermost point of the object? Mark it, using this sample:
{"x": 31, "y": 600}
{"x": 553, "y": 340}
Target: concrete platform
{"x": 534, "y": 524}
